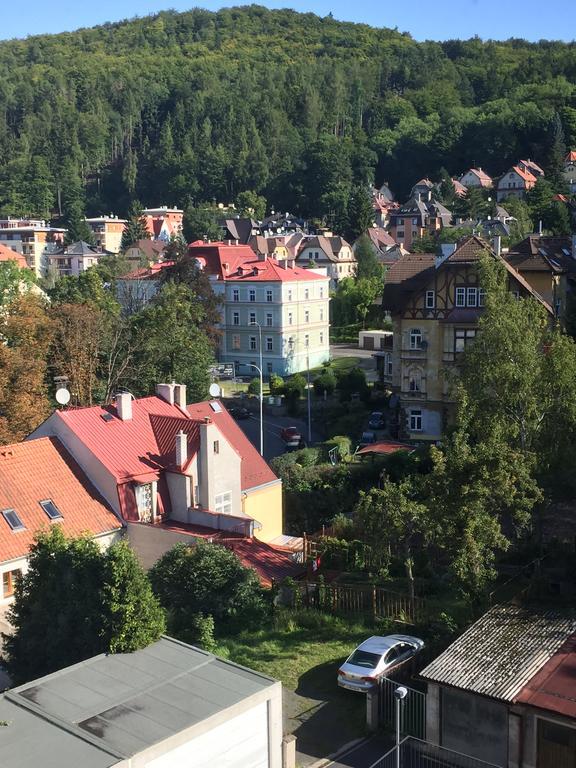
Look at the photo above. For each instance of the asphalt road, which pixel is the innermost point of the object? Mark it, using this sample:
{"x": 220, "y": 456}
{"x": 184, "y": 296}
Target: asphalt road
{"x": 273, "y": 444}
{"x": 367, "y": 754}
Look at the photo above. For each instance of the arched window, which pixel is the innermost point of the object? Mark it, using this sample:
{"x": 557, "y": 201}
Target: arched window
{"x": 415, "y": 338}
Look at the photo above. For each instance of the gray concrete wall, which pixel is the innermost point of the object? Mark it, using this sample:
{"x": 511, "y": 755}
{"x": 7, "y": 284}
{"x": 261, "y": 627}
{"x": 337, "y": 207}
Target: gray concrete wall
{"x": 150, "y": 543}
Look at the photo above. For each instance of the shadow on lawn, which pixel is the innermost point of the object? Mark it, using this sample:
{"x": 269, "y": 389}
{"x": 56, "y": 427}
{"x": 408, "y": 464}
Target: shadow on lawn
{"x": 337, "y": 718}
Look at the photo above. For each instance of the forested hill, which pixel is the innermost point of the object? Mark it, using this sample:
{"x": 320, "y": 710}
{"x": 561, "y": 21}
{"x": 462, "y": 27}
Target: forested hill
{"x": 201, "y": 106}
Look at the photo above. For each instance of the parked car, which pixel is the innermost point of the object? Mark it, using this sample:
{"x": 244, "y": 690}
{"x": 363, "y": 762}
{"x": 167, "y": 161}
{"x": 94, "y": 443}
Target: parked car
{"x": 376, "y": 420}
{"x": 374, "y": 658}
{"x": 239, "y": 413}
{"x": 291, "y": 436}
{"x": 367, "y": 439}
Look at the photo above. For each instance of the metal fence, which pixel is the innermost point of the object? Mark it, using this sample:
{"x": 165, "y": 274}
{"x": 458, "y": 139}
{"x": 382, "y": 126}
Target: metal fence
{"x": 415, "y": 753}
{"x": 412, "y": 708}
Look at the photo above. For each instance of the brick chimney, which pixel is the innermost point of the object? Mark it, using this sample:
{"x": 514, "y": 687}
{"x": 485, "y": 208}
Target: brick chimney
{"x": 124, "y": 406}
{"x": 181, "y": 449}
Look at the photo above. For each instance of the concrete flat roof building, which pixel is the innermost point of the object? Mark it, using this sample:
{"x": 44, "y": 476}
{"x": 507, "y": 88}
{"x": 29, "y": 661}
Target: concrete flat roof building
{"x": 164, "y": 706}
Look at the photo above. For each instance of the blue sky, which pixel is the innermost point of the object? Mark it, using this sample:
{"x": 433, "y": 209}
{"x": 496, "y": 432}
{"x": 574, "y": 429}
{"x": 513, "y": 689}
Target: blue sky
{"x": 424, "y": 19}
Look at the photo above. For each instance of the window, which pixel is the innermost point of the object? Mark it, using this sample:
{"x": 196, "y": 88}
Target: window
{"x": 415, "y": 338}
{"x": 471, "y": 297}
{"x": 269, "y": 295}
{"x": 51, "y": 509}
{"x": 223, "y": 503}
{"x": 252, "y": 342}
{"x": 289, "y": 318}
{"x": 236, "y": 341}
{"x": 11, "y": 517}
{"x": 306, "y": 293}
{"x": 252, "y": 295}
{"x": 415, "y": 420}
{"x": 415, "y": 381}
{"x": 306, "y": 316}
{"x": 462, "y": 337}
{"x": 516, "y": 294}
{"x": 9, "y": 579}
{"x": 269, "y": 368}
{"x": 269, "y": 344}
{"x": 321, "y": 315}
{"x": 235, "y": 295}
{"x": 268, "y": 319}
{"x": 306, "y": 341}
{"x": 291, "y": 342}
{"x": 321, "y": 291}
{"x": 400, "y": 233}
{"x": 290, "y": 294}
{"x": 235, "y": 318}
{"x": 481, "y": 297}
{"x": 216, "y": 446}
{"x": 460, "y": 297}
{"x": 414, "y": 222}
{"x": 430, "y": 299}
{"x": 144, "y": 502}
{"x": 558, "y": 307}
{"x": 252, "y": 318}
{"x": 388, "y": 364}
{"x": 400, "y": 222}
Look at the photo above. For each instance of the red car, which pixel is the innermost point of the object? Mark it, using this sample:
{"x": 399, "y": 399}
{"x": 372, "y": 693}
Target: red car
{"x": 291, "y": 436}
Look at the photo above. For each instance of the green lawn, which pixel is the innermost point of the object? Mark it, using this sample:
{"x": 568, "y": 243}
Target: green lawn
{"x": 338, "y": 365}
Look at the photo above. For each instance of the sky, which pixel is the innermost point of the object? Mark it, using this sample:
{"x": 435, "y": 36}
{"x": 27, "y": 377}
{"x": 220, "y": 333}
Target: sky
{"x": 424, "y": 19}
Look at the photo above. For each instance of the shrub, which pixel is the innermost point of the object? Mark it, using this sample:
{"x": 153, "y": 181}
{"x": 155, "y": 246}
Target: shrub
{"x": 325, "y": 382}
{"x": 307, "y": 457}
{"x": 353, "y": 382}
{"x": 254, "y": 386}
{"x": 276, "y": 384}
{"x": 342, "y": 443}
{"x": 280, "y": 464}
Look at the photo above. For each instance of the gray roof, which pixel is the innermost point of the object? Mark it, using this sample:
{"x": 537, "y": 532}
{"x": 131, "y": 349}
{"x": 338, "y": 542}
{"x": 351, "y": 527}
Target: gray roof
{"x": 499, "y": 654}
{"x": 121, "y": 704}
{"x": 80, "y": 248}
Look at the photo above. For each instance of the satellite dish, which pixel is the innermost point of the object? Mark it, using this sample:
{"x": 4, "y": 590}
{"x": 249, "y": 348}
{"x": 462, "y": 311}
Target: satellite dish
{"x": 214, "y": 390}
{"x": 62, "y": 396}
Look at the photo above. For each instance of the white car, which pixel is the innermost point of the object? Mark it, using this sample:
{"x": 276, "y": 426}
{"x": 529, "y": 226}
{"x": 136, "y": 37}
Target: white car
{"x": 374, "y": 658}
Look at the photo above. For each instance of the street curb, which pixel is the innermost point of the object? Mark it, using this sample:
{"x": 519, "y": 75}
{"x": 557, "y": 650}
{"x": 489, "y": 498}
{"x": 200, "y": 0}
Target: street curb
{"x": 326, "y": 761}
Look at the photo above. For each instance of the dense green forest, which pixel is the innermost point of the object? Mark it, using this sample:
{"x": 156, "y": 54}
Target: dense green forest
{"x": 180, "y": 108}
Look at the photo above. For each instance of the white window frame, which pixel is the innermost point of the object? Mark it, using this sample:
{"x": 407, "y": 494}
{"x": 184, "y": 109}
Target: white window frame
{"x": 289, "y": 318}
{"x": 306, "y": 293}
{"x": 252, "y": 318}
{"x": 460, "y": 296}
{"x": 269, "y": 344}
{"x": 269, "y": 295}
{"x": 415, "y": 420}
{"x": 235, "y": 318}
{"x": 430, "y": 299}
{"x": 415, "y": 338}
{"x": 269, "y": 319}
{"x": 471, "y": 296}
{"x": 253, "y": 343}
{"x": 481, "y": 297}
{"x": 145, "y": 514}
{"x": 236, "y": 294}
{"x": 223, "y": 503}
{"x": 252, "y": 295}
{"x": 306, "y": 316}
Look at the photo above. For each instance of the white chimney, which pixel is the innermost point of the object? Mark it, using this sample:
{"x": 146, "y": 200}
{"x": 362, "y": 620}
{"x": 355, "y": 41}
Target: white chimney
{"x": 497, "y": 245}
{"x": 166, "y": 392}
{"x": 180, "y": 395}
{"x": 181, "y": 449}
{"x": 124, "y": 406}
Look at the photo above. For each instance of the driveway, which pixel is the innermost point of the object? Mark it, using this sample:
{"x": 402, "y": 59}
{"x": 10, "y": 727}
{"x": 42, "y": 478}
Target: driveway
{"x": 364, "y": 356}
{"x": 366, "y": 754}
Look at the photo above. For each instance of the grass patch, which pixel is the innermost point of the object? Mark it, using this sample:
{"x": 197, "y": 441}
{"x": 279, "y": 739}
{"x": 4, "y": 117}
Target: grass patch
{"x": 338, "y": 365}
{"x": 297, "y": 643}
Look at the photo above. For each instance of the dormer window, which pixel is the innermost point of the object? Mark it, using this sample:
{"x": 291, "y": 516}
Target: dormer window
{"x": 11, "y": 517}
{"x": 145, "y": 501}
{"x": 51, "y": 509}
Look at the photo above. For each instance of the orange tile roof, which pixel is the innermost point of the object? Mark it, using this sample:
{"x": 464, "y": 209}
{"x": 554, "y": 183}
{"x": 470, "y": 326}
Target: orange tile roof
{"x": 7, "y": 254}
{"x": 571, "y": 156}
{"x": 528, "y": 177}
{"x": 42, "y": 469}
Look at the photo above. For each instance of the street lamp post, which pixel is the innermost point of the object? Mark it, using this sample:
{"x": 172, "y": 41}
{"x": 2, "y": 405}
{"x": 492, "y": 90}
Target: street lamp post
{"x": 400, "y": 694}
{"x": 308, "y": 391}
{"x": 261, "y": 385}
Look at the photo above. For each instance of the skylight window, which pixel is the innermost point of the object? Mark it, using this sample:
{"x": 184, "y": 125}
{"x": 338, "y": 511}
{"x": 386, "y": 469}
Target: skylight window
{"x": 106, "y": 416}
{"x": 51, "y": 509}
{"x": 216, "y": 407}
{"x": 11, "y": 517}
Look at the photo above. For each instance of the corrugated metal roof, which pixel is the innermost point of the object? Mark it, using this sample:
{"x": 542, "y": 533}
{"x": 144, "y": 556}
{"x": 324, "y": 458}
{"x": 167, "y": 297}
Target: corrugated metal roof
{"x": 502, "y": 651}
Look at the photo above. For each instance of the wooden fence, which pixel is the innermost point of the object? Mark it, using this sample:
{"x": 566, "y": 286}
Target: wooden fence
{"x": 377, "y": 602}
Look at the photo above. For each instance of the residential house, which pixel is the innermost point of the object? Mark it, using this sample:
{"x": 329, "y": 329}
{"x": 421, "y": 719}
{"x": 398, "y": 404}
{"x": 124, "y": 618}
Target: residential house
{"x": 423, "y": 189}
{"x": 382, "y": 243}
{"x": 416, "y": 218}
{"x": 569, "y": 172}
{"x": 516, "y": 182}
{"x": 382, "y": 203}
{"x": 145, "y": 252}
{"x": 75, "y": 258}
{"x": 107, "y": 231}
{"x": 476, "y": 178}
{"x": 137, "y": 288}
{"x": 269, "y": 306}
{"x": 173, "y": 471}
{"x": 531, "y": 167}
{"x": 166, "y": 705}
{"x": 459, "y": 189}
{"x": 549, "y": 265}
{"x": 7, "y": 254}
{"x": 278, "y": 223}
{"x": 42, "y": 485}
{"x": 435, "y": 301}
{"x": 503, "y": 691}
{"x": 163, "y": 222}
{"x": 278, "y": 247}
{"x": 33, "y": 238}
{"x": 240, "y": 230}
{"x": 329, "y": 252}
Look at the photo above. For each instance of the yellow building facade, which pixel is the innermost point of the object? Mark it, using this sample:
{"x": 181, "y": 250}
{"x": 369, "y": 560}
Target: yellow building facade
{"x": 264, "y": 505}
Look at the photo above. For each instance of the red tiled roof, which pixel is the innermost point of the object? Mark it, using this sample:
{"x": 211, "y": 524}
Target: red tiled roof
{"x": 571, "y": 156}
{"x": 144, "y": 445}
{"x": 552, "y": 688}
{"x": 148, "y": 273}
{"x": 385, "y": 447}
{"x": 42, "y": 469}
{"x": 240, "y": 263}
{"x": 7, "y": 254}
{"x": 528, "y": 177}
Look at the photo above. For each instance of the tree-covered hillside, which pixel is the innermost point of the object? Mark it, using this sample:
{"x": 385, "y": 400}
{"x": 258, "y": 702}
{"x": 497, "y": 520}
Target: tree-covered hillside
{"x": 199, "y": 106}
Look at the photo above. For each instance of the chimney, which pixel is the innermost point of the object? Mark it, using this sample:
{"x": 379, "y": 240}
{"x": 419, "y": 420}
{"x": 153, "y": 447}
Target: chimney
{"x": 180, "y": 395}
{"x": 166, "y": 392}
{"x": 181, "y": 448}
{"x": 497, "y": 245}
{"x": 124, "y": 406}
